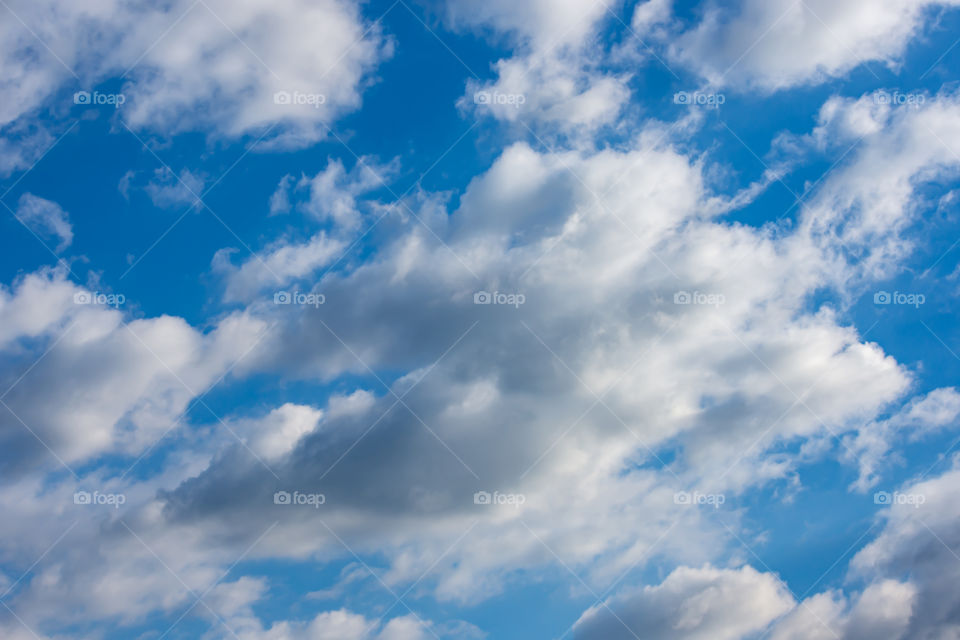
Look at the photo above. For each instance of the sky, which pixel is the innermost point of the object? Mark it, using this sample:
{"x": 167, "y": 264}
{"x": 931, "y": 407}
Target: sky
{"x": 444, "y": 319}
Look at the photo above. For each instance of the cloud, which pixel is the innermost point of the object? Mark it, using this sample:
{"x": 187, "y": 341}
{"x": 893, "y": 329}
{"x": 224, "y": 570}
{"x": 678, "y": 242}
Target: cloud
{"x": 690, "y": 604}
{"x": 215, "y": 66}
{"x": 167, "y": 190}
{"x": 276, "y": 267}
{"x": 864, "y": 205}
{"x": 754, "y": 45}
{"x": 504, "y": 398}
{"x": 553, "y": 78}
{"x": 917, "y": 542}
{"x": 870, "y": 446}
{"x": 45, "y": 218}
{"x": 658, "y": 348}
{"x": 333, "y": 193}
{"x": 105, "y": 383}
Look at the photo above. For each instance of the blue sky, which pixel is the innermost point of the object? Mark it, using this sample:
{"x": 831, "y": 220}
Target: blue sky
{"x": 443, "y": 319}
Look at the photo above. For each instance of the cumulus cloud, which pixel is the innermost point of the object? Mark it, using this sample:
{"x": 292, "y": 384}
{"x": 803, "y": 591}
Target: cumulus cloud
{"x": 333, "y": 194}
{"x": 105, "y": 383}
{"x": 742, "y": 366}
{"x": 690, "y": 604}
{"x": 918, "y": 542}
{"x": 583, "y": 336}
{"x": 754, "y": 45}
{"x": 554, "y": 77}
{"x": 227, "y": 68}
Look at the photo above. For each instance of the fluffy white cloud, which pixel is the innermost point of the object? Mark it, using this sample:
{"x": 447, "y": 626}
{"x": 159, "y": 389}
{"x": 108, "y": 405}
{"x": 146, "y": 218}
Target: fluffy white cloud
{"x": 754, "y": 45}
{"x": 864, "y": 205}
{"x": 553, "y": 78}
{"x": 213, "y": 66}
{"x": 332, "y": 194}
{"x": 919, "y": 540}
{"x": 103, "y": 383}
{"x": 745, "y": 366}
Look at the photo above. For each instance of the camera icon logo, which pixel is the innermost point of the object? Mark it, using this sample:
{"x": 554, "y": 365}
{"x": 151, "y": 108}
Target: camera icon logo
{"x": 682, "y": 497}
{"x": 482, "y": 297}
{"x": 81, "y": 97}
{"x": 482, "y": 97}
{"x": 681, "y": 97}
{"x": 881, "y": 297}
{"x": 281, "y": 97}
{"x": 881, "y": 497}
{"x": 81, "y": 497}
{"x": 281, "y": 297}
{"x": 281, "y": 497}
{"x": 482, "y": 497}
{"x": 681, "y": 297}
{"x": 881, "y": 97}
{"x": 82, "y": 297}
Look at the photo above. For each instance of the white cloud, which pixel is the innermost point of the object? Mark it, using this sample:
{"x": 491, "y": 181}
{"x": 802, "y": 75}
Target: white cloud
{"x": 213, "y": 66}
{"x": 276, "y": 267}
{"x": 871, "y": 445}
{"x": 167, "y": 190}
{"x": 690, "y": 604}
{"x": 719, "y": 384}
{"x": 333, "y": 193}
{"x": 107, "y": 384}
{"x": 553, "y": 76}
{"x": 45, "y": 218}
{"x": 755, "y": 45}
